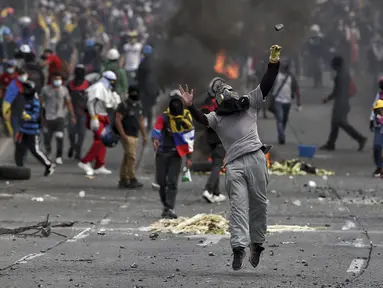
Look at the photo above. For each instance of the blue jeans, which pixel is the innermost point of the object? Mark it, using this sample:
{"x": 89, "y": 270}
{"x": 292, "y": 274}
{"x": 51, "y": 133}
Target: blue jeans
{"x": 282, "y": 111}
{"x": 378, "y": 147}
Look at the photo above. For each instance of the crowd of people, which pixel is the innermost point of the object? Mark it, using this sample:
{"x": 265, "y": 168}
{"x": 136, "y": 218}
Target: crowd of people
{"x": 69, "y": 70}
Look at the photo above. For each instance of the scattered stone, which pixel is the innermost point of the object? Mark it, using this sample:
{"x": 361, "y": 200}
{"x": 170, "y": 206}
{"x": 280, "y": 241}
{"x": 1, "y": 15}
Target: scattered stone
{"x": 70, "y": 279}
{"x": 273, "y": 245}
{"x": 177, "y": 270}
{"x": 211, "y": 254}
{"x": 134, "y": 265}
{"x": 271, "y": 253}
{"x": 153, "y": 236}
{"x": 301, "y": 249}
{"x": 122, "y": 247}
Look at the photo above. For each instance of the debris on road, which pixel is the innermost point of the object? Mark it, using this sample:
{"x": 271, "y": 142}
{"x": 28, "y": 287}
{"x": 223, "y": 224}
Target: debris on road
{"x": 43, "y": 227}
{"x": 153, "y": 236}
{"x": 81, "y": 194}
{"x": 134, "y": 265}
{"x": 296, "y": 167}
{"x": 38, "y": 199}
{"x": 199, "y": 224}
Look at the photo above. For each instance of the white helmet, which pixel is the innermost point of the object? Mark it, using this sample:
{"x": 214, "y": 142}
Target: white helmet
{"x": 113, "y": 54}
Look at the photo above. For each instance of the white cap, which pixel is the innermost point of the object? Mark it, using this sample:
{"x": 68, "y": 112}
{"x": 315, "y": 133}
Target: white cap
{"x": 113, "y": 54}
{"x": 109, "y": 75}
{"x": 25, "y": 49}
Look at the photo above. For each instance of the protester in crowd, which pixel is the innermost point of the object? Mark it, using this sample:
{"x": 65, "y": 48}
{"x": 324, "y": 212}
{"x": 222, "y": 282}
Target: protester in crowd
{"x": 101, "y": 97}
{"x": 132, "y": 51}
{"x": 128, "y": 124}
{"x": 235, "y": 121}
{"x": 173, "y": 138}
{"x": 53, "y": 62}
{"x": 28, "y": 136}
{"x": 112, "y": 64}
{"x": 92, "y": 58}
{"x": 6, "y": 78}
{"x": 26, "y": 37}
{"x": 376, "y": 126}
{"x": 77, "y": 91}
{"x": 212, "y": 193}
{"x": 8, "y": 46}
{"x": 34, "y": 70}
{"x": 285, "y": 89}
{"x": 341, "y": 107}
{"x": 66, "y": 51}
{"x": 13, "y": 104}
{"x": 147, "y": 83}
{"x": 55, "y": 101}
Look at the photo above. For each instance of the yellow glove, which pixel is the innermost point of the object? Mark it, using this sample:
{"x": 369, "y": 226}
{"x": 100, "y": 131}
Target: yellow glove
{"x": 26, "y": 116}
{"x": 6, "y": 108}
{"x": 275, "y": 53}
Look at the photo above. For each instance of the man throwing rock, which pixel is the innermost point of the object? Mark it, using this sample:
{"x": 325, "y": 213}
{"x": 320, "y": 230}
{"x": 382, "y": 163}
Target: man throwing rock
{"x": 235, "y": 121}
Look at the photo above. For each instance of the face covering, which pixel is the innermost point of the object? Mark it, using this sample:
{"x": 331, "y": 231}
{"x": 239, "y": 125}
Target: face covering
{"x": 57, "y": 83}
{"x": 176, "y": 107}
{"x": 23, "y": 78}
{"x": 134, "y": 96}
{"x": 229, "y": 101}
{"x": 10, "y": 70}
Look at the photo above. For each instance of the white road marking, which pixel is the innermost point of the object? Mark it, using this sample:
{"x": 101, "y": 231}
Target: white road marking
{"x": 355, "y": 266}
{"x": 28, "y": 257}
{"x": 209, "y": 239}
{"x": 349, "y": 225}
{"x": 358, "y": 243}
{"x": 83, "y": 234}
{"x": 105, "y": 221}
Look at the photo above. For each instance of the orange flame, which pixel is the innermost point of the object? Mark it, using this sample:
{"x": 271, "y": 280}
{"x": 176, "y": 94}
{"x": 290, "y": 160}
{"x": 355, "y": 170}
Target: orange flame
{"x": 220, "y": 63}
{"x": 231, "y": 70}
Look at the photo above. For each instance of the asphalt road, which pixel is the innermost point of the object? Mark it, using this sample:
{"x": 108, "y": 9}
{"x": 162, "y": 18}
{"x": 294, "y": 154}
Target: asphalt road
{"x": 110, "y": 247}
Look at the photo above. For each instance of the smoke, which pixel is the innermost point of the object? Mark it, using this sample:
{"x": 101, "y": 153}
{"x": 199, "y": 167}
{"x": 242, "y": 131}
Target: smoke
{"x": 197, "y": 30}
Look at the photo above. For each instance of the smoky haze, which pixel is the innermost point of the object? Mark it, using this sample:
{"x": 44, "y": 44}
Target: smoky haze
{"x": 197, "y": 30}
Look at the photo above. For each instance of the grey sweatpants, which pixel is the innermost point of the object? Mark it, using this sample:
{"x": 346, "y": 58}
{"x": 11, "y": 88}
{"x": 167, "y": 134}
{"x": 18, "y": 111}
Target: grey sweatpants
{"x": 246, "y": 185}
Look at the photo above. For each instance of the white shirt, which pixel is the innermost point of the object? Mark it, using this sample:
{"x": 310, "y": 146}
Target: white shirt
{"x": 285, "y": 93}
{"x": 132, "y": 56}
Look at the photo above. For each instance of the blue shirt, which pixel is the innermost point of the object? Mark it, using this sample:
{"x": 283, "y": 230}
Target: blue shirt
{"x": 32, "y": 108}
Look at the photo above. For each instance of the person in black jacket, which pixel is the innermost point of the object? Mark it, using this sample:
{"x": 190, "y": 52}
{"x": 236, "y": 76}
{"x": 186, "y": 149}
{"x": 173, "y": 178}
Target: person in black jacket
{"x": 28, "y": 136}
{"x": 34, "y": 70}
{"x": 212, "y": 192}
{"x": 147, "y": 84}
{"x": 341, "y": 107}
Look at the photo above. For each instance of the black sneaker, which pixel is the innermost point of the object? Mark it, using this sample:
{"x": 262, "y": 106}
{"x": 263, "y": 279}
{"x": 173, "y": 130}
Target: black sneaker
{"x": 362, "y": 144}
{"x": 123, "y": 184}
{"x": 169, "y": 214}
{"x": 49, "y": 170}
{"x": 327, "y": 147}
{"x": 239, "y": 254}
{"x": 134, "y": 184}
{"x": 70, "y": 153}
{"x": 255, "y": 253}
{"x": 377, "y": 173}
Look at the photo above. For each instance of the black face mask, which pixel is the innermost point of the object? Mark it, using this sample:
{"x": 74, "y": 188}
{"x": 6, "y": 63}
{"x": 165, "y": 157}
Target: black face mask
{"x": 176, "y": 107}
{"x": 233, "y": 106}
{"x": 134, "y": 96}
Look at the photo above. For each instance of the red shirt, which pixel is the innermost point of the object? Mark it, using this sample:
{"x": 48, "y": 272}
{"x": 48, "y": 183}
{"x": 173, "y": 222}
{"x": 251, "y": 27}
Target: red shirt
{"x": 5, "y": 80}
{"x": 55, "y": 66}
